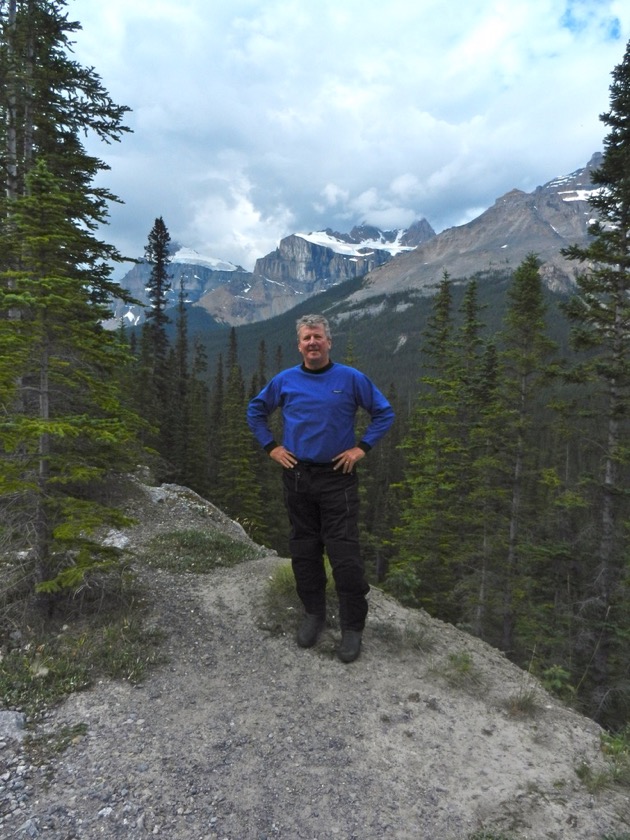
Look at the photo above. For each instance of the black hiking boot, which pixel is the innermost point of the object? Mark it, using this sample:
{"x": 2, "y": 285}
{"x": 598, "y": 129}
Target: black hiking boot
{"x": 309, "y": 630}
{"x": 350, "y": 646}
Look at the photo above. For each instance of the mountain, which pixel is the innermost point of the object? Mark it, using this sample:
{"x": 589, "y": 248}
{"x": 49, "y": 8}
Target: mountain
{"x": 544, "y": 221}
{"x": 411, "y": 261}
{"x": 197, "y": 272}
{"x": 302, "y": 265}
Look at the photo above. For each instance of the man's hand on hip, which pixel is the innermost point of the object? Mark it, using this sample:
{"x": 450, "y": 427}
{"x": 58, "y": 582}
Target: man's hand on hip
{"x": 345, "y": 461}
{"x": 283, "y": 457}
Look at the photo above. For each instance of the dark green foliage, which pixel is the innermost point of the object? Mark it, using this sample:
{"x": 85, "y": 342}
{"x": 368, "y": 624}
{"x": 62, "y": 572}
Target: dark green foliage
{"x": 427, "y": 538}
{"x": 64, "y": 424}
{"x": 525, "y": 365}
{"x": 159, "y": 284}
{"x": 48, "y": 102}
{"x": 600, "y": 313}
{"x": 237, "y": 489}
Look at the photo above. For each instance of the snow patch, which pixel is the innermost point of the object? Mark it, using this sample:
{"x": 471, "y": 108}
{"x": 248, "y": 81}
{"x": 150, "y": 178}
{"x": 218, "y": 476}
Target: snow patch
{"x": 355, "y": 249}
{"x": 577, "y": 195}
{"x": 189, "y": 256}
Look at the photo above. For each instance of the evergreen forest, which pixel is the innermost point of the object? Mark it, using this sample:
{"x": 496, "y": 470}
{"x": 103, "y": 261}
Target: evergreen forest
{"x": 499, "y": 502}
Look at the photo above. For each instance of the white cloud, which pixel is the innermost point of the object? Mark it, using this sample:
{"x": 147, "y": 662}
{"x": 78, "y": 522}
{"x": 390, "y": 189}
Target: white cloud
{"x": 258, "y": 118}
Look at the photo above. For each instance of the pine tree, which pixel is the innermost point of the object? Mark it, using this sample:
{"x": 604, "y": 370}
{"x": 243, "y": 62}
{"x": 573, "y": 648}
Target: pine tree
{"x": 157, "y": 256}
{"x": 600, "y": 312}
{"x": 423, "y": 572}
{"x": 487, "y": 501}
{"x": 216, "y": 419}
{"x": 382, "y": 469}
{"x": 275, "y": 532}
{"x": 157, "y": 364}
{"x": 198, "y": 469}
{"x": 178, "y": 421}
{"x": 525, "y": 366}
{"x": 478, "y": 426}
{"x": 237, "y": 491}
{"x": 47, "y": 102}
{"x": 64, "y": 425}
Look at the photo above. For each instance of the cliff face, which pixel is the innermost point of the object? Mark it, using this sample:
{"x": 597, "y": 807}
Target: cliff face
{"x": 303, "y": 265}
{"x": 316, "y": 267}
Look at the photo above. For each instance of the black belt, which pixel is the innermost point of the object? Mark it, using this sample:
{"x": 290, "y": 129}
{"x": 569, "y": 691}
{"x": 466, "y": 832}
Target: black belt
{"x": 316, "y": 464}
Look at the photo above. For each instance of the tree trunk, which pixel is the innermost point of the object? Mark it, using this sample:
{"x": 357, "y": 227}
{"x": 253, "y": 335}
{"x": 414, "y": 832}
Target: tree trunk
{"x": 11, "y": 116}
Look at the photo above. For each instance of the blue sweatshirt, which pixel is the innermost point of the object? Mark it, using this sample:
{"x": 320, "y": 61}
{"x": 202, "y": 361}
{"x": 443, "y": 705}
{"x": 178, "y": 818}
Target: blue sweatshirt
{"x": 319, "y": 409}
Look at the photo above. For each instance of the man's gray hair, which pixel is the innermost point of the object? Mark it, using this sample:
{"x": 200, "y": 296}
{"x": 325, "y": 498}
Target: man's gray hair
{"x": 313, "y": 321}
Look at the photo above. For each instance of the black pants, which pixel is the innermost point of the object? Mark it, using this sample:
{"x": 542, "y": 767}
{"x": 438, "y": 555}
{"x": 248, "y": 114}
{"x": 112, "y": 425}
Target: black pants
{"x": 323, "y": 508}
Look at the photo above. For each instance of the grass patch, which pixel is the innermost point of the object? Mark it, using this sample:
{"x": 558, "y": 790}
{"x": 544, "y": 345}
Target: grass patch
{"x": 523, "y": 704}
{"x": 412, "y": 636}
{"x": 50, "y": 665}
{"x": 459, "y": 671}
{"x": 52, "y": 649}
{"x": 616, "y": 750}
{"x": 594, "y": 780}
{"x": 281, "y": 609}
{"x": 196, "y": 551}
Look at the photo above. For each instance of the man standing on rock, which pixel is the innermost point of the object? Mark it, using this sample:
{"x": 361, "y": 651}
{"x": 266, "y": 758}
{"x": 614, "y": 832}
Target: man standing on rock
{"x": 319, "y": 400}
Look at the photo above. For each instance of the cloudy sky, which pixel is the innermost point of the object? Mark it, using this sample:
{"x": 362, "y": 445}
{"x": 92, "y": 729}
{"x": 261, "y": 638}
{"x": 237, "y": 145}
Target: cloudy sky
{"x": 254, "y": 119}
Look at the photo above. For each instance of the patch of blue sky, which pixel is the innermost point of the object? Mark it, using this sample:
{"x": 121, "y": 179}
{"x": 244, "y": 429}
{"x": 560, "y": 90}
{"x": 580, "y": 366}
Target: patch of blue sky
{"x": 581, "y": 15}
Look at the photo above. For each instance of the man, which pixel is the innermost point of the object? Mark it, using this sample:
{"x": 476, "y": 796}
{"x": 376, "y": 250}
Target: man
{"x": 319, "y": 400}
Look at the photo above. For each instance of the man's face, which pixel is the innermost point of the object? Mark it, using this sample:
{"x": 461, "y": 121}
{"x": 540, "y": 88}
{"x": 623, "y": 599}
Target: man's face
{"x": 314, "y": 346}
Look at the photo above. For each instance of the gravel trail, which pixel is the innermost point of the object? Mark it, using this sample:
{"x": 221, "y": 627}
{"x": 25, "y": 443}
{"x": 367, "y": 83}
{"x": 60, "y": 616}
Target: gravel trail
{"x": 244, "y": 736}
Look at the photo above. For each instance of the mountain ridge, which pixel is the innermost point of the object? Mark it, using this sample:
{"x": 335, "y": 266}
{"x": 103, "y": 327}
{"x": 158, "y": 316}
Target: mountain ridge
{"x": 551, "y": 217}
{"x": 543, "y": 222}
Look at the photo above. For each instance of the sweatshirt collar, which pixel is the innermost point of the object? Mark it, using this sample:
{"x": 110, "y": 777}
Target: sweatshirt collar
{"x": 319, "y": 370}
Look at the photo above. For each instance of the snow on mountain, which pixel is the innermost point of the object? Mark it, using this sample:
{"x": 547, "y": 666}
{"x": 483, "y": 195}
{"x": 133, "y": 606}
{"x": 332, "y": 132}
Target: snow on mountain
{"x": 577, "y": 195}
{"x": 189, "y": 256}
{"x": 325, "y": 239}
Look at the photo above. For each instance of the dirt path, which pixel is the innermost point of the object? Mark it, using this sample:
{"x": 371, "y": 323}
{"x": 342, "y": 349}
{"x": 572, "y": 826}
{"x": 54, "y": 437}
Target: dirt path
{"x": 245, "y": 736}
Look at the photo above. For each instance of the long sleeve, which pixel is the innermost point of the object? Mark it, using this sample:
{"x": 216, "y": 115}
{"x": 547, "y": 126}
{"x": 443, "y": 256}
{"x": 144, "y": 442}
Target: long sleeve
{"x": 260, "y": 408}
